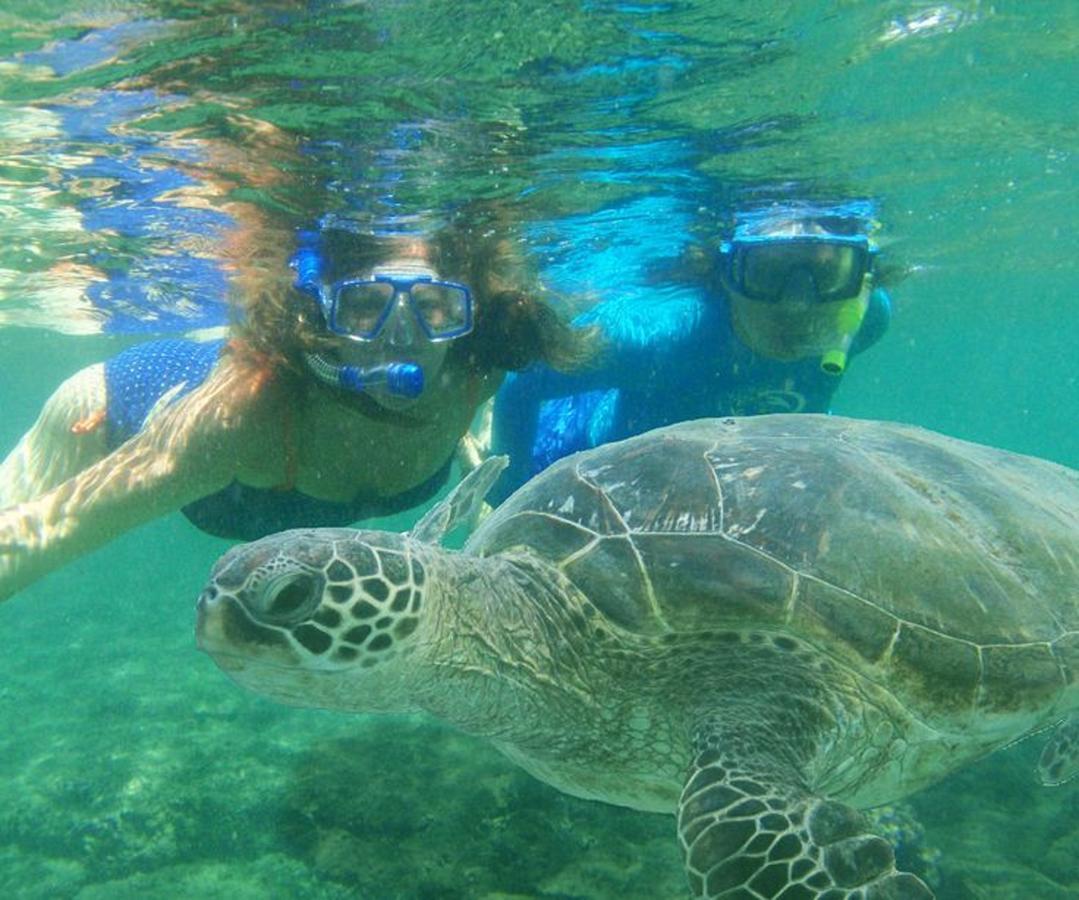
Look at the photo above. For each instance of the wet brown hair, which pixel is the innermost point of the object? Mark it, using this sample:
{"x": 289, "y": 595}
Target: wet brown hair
{"x": 514, "y": 323}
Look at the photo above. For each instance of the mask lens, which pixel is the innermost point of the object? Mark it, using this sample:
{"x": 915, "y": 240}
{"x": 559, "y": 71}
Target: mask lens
{"x": 761, "y": 271}
{"x": 837, "y": 269}
{"x": 443, "y": 309}
{"x": 359, "y": 308}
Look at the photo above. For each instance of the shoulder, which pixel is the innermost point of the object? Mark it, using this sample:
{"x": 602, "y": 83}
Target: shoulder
{"x": 164, "y": 357}
{"x": 235, "y": 392}
{"x": 228, "y": 424}
{"x": 243, "y": 381}
{"x": 653, "y": 320}
{"x": 84, "y": 390}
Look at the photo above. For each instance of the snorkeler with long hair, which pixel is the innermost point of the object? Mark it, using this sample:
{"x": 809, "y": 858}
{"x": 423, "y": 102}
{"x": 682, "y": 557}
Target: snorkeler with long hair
{"x": 340, "y": 393}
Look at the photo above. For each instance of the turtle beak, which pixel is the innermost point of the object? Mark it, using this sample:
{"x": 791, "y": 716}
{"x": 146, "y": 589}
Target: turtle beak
{"x": 210, "y": 630}
{"x": 225, "y": 631}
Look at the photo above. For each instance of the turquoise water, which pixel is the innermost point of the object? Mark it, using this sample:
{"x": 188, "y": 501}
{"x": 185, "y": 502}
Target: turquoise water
{"x": 129, "y": 766}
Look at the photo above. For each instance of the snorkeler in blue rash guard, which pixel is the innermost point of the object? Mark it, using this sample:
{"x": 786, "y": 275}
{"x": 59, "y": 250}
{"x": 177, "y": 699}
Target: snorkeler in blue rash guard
{"x": 768, "y": 325}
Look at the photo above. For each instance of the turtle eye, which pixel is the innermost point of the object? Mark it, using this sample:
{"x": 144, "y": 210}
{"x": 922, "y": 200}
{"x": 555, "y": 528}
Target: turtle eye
{"x": 288, "y": 600}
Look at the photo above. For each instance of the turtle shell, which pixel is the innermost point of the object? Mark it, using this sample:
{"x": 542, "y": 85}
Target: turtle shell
{"x": 889, "y": 546}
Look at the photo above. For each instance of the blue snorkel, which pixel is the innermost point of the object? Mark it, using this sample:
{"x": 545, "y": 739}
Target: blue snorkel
{"x": 307, "y": 262}
{"x": 405, "y": 379}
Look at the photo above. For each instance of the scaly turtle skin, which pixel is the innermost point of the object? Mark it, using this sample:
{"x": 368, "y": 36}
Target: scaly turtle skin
{"x": 759, "y": 624}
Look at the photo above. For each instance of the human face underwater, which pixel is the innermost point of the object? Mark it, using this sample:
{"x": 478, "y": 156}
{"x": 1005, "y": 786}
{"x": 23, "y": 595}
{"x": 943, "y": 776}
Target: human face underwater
{"x": 396, "y": 321}
{"x": 798, "y": 296}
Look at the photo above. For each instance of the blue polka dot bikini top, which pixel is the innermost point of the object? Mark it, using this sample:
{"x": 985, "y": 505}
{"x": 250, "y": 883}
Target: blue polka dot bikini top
{"x": 137, "y": 378}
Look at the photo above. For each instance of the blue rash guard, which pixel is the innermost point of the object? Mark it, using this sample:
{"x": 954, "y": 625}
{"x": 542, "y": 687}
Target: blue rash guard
{"x": 137, "y": 378}
{"x": 670, "y": 358}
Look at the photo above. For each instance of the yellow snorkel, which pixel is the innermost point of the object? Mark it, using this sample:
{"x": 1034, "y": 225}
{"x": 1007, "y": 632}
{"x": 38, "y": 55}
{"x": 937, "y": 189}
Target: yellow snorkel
{"x": 847, "y": 322}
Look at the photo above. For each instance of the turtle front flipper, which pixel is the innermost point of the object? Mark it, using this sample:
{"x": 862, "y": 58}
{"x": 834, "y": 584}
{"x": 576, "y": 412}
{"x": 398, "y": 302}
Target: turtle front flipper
{"x": 462, "y": 505}
{"x": 748, "y": 831}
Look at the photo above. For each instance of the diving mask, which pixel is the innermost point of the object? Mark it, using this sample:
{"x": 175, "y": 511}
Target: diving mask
{"x": 359, "y": 308}
{"x": 764, "y": 267}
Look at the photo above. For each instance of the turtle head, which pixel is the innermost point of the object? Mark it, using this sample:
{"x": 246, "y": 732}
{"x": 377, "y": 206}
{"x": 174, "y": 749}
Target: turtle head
{"x": 308, "y": 616}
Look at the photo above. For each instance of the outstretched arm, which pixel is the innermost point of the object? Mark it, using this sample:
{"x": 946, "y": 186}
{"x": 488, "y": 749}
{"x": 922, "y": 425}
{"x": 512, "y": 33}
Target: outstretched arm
{"x": 187, "y": 451}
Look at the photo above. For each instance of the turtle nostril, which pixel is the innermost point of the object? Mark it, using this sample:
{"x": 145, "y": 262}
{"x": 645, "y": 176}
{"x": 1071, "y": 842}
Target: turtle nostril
{"x": 205, "y": 598}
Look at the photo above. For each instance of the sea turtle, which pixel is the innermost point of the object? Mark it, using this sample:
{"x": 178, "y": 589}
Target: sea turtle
{"x": 759, "y": 624}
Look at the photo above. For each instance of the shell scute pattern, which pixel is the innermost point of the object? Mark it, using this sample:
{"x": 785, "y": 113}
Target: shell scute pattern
{"x": 710, "y": 581}
{"x": 822, "y": 610}
{"x": 549, "y": 536}
{"x": 1066, "y": 650}
{"x": 664, "y": 486}
{"x": 941, "y": 671}
{"x": 611, "y": 569}
{"x": 779, "y": 525}
{"x": 573, "y": 499}
{"x": 1016, "y": 676}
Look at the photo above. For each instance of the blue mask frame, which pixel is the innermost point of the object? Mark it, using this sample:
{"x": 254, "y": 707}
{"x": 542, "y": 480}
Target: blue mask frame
{"x": 329, "y": 297}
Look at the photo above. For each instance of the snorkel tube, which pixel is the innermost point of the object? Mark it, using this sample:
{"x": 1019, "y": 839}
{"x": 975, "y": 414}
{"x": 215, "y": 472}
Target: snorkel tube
{"x": 872, "y": 324}
{"x": 405, "y": 379}
{"x": 847, "y": 322}
{"x": 402, "y": 378}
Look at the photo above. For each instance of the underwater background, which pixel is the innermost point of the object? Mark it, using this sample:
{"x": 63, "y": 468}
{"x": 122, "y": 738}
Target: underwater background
{"x": 135, "y": 137}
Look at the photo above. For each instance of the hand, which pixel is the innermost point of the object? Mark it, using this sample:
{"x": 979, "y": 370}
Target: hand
{"x": 475, "y": 445}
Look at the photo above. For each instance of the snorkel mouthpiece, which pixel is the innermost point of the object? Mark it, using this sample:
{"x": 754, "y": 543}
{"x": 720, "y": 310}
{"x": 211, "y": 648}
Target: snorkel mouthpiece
{"x": 834, "y": 361}
{"x": 404, "y": 379}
